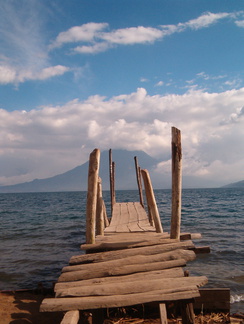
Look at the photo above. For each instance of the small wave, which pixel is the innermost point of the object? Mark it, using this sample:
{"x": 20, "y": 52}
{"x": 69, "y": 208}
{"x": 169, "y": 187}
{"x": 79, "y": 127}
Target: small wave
{"x": 236, "y": 298}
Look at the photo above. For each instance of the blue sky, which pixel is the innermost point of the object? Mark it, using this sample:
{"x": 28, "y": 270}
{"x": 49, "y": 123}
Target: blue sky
{"x": 75, "y": 75}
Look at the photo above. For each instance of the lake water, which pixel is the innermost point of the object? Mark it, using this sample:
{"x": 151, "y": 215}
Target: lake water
{"x": 39, "y": 233}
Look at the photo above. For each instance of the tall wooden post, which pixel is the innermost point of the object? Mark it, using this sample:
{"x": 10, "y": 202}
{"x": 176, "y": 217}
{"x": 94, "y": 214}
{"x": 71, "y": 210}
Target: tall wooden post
{"x": 91, "y": 204}
{"x": 111, "y": 179}
{"x": 138, "y": 178}
{"x": 99, "y": 211}
{"x": 151, "y": 202}
{"x": 176, "y": 183}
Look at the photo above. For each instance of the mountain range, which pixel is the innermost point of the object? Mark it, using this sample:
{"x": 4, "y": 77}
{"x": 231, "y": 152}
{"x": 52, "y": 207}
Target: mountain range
{"x": 239, "y": 184}
{"x": 76, "y": 179}
{"x": 125, "y": 176}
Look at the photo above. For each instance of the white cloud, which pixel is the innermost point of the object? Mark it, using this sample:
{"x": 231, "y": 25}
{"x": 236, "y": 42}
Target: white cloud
{"x": 14, "y": 75}
{"x": 83, "y": 33}
{"x": 159, "y": 84}
{"x": 239, "y": 23}
{"x": 47, "y": 141}
{"x": 7, "y": 75}
{"x": 133, "y": 35}
{"x": 92, "y": 49}
{"x": 204, "y": 20}
{"x": 94, "y": 39}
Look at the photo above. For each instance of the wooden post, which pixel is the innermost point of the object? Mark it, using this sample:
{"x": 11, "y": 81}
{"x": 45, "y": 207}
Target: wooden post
{"x": 99, "y": 211}
{"x": 111, "y": 179}
{"x": 91, "y": 204}
{"x": 176, "y": 183}
{"x": 105, "y": 217}
{"x": 71, "y": 317}
{"x": 151, "y": 202}
{"x": 138, "y": 178}
{"x": 163, "y": 313}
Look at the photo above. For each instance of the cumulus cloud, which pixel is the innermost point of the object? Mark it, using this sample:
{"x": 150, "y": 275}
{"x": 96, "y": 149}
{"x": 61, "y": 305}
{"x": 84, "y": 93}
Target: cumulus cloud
{"x": 16, "y": 76}
{"x": 53, "y": 139}
{"x": 94, "y": 39}
{"x": 83, "y": 33}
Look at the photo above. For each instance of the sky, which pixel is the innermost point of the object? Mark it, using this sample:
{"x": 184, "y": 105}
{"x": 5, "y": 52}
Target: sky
{"x": 81, "y": 74}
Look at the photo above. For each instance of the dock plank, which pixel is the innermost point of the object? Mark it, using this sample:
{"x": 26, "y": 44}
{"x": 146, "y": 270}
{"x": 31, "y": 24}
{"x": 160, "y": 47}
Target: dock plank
{"x": 97, "y": 302}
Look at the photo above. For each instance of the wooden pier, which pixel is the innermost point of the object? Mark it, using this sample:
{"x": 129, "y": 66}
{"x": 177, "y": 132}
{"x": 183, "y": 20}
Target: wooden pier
{"x": 129, "y": 259}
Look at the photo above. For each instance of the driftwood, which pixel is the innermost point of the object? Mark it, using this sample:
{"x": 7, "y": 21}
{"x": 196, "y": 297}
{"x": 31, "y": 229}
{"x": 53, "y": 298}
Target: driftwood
{"x": 166, "y": 273}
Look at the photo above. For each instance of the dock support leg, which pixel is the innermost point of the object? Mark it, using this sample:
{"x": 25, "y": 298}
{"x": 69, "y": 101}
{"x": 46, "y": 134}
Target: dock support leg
{"x": 163, "y": 313}
{"x": 187, "y": 312}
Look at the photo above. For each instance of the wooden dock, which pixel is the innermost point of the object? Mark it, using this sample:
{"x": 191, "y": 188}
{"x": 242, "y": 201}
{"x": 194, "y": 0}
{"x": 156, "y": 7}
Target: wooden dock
{"x": 129, "y": 259}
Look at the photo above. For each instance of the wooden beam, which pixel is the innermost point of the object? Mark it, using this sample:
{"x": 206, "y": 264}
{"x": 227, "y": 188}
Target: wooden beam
{"x": 94, "y": 302}
{"x": 106, "y": 271}
{"x": 140, "y": 276}
{"x": 163, "y": 313}
{"x": 71, "y": 317}
{"x": 138, "y": 178}
{"x": 91, "y": 204}
{"x": 132, "y": 287}
{"x": 99, "y": 210}
{"x": 176, "y": 183}
{"x": 130, "y": 244}
{"x": 151, "y": 202}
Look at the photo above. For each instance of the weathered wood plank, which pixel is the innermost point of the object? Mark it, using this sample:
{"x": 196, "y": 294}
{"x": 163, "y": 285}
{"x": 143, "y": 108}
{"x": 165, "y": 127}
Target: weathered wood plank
{"x": 165, "y": 273}
{"x": 118, "y": 254}
{"x": 163, "y": 313}
{"x": 119, "y": 236}
{"x": 125, "y": 245}
{"x": 71, "y": 317}
{"x": 121, "y": 270}
{"x": 129, "y": 217}
{"x": 73, "y": 303}
{"x": 132, "y": 287}
{"x": 135, "y": 259}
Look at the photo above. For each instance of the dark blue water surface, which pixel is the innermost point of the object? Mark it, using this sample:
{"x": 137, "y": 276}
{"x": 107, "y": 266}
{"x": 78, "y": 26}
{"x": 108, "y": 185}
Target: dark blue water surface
{"x": 39, "y": 232}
